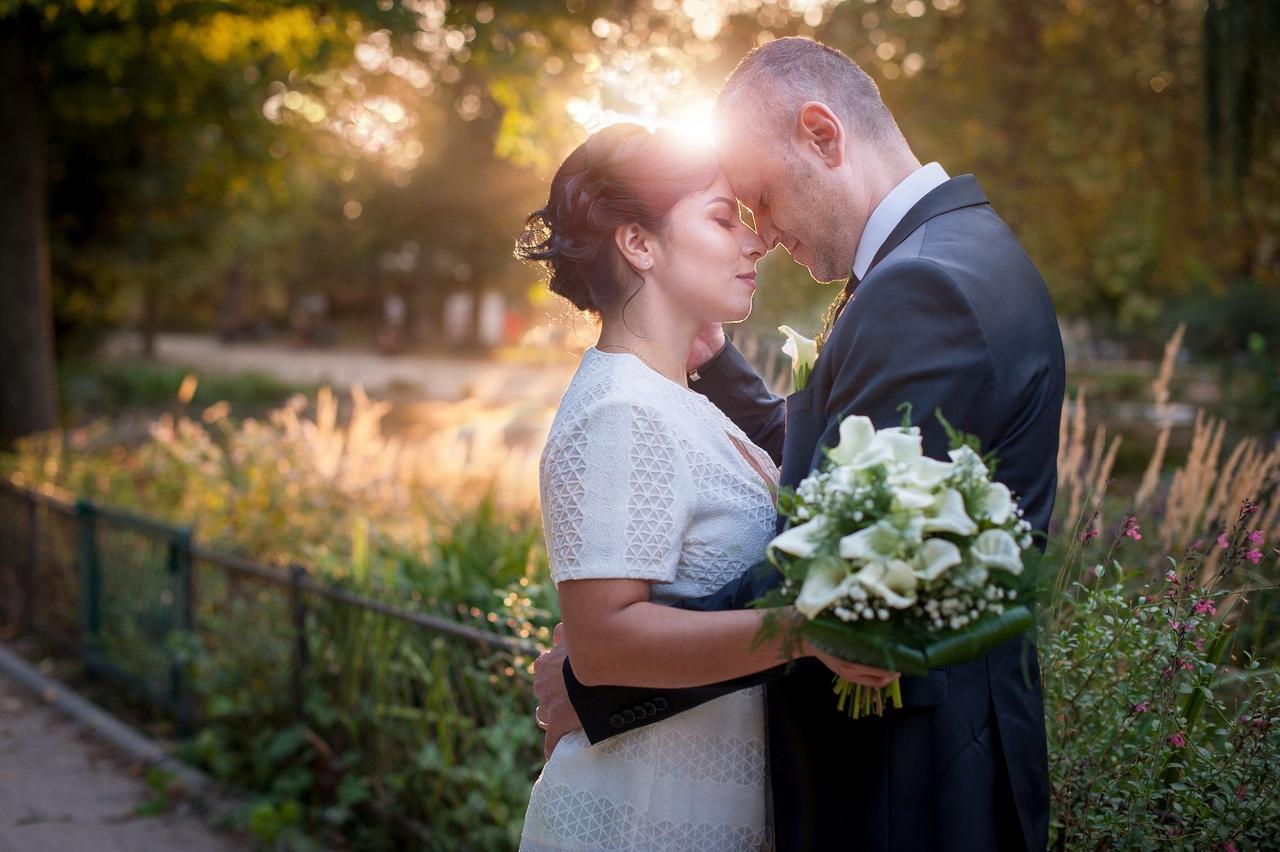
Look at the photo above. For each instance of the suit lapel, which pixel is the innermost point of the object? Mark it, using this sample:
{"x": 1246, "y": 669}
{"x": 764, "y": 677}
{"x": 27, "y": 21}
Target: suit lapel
{"x": 957, "y": 193}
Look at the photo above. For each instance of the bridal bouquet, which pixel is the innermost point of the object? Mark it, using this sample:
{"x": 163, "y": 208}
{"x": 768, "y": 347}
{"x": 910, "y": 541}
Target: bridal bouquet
{"x": 900, "y": 561}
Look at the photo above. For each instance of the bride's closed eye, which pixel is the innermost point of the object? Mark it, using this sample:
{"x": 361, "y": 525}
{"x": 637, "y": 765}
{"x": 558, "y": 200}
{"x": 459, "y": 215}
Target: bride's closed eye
{"x": 727, "y": 223}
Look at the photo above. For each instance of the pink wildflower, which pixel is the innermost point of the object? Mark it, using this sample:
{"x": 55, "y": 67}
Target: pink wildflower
{"x": 1140, "y": 707}
{"x": 1178, "y": 740}
{"x": 1200, "y": 644}
{"x": 1088, "y": 536}
{"x": 1248, "y": 507}
{"x": 1206, "y": 606}
{"x": 1131, "y": 528}
{"x": 1257, "y": 537}
{"x": 1171, "y": 576}
{"x": 1254, "y": 556}
{"x": 1223, "y": 541}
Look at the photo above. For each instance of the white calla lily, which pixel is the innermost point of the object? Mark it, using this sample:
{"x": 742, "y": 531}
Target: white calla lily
{"x": 802, "y": 540}
{"x": 876, "y": 543}
{"x": 997, "y": 504}
{"x": 856, "y": 435}
{"x": 827, "y": 582}
{"x": 904, "y": 445}
{"x": 912, "y": 498}
{"x": 947, "y": 514}
{"x": 803, "y": 352}
{"x": 927, "y": 473}
{"x": 997, "y": 549}
{"x": 875, "y": 578}
{"x": 936, "y": 556}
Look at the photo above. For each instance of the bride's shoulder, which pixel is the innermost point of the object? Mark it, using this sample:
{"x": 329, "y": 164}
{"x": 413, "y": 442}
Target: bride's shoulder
{"x": 607, "y": 392}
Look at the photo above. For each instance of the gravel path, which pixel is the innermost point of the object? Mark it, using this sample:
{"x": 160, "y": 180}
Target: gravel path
{"x": 60, "y": 792}
{"x": 434, "y": 378}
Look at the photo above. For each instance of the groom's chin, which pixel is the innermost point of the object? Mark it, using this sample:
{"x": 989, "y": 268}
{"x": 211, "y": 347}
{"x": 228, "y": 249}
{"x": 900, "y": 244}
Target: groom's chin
{"x": 826, "y": 276}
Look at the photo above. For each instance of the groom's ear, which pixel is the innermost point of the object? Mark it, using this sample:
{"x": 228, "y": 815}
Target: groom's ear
{"x": 820, "y": 132}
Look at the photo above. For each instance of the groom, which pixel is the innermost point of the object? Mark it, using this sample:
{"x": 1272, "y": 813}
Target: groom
{"x": 945, "y": 311}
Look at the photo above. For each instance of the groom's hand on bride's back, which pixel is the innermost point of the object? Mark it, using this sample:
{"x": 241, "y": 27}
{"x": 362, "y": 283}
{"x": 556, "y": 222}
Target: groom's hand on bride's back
{"x": 706, "y": 345}
{"x": 553, "y": 698}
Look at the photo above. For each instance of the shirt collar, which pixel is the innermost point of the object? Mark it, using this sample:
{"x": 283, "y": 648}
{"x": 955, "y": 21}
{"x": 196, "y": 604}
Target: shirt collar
{"x": 892, "y": 209}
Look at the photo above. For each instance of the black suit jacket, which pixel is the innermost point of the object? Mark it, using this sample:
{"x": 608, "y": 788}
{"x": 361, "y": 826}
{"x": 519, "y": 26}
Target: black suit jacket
{"x": 951, "y": 315}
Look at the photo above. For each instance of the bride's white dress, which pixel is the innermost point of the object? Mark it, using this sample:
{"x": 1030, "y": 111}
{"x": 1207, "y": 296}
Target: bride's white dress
{"x": 641, "y": 479}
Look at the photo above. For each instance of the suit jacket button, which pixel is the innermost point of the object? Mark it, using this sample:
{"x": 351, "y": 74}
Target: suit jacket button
{"x": 629, "y": 716}
{"x": 660, "y": 703}
{"x": 650, "y": 709}
{"x": 617, "y": 721}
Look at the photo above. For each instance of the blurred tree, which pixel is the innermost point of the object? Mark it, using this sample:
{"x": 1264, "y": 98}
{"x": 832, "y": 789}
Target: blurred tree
{"x": 28, "y": 393}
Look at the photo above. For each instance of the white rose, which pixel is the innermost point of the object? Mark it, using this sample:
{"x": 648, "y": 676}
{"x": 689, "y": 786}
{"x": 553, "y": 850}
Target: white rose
{"x": 997, "y": 549}
{"x": 947, "y": 514}
{"x": 803, "y": 352}
{"x": 936, "y": 556}
{"x": 802, "y": 540}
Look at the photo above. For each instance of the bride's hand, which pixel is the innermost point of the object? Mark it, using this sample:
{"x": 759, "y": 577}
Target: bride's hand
{"x": 706, "y": 345}
{"x": 854, "y": 672}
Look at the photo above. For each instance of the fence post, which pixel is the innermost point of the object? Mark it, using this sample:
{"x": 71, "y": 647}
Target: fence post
{"x": 26, "y": 616}
{"x": 90, "y": 580}
{"x": 301, "y": 653}
{"x": 183, "y": 627}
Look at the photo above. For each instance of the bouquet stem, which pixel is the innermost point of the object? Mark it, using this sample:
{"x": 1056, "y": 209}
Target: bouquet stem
{"x": 859, "y": 701}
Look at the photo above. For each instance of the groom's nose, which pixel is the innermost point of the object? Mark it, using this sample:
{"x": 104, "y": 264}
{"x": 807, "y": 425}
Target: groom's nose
{"x": 766, "y": 231}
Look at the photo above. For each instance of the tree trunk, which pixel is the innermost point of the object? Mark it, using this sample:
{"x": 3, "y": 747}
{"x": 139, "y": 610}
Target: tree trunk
{"x": 28, "y": 390}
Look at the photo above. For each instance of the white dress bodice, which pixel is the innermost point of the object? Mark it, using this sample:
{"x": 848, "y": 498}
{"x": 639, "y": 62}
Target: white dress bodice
{"x": 640, "y": 479}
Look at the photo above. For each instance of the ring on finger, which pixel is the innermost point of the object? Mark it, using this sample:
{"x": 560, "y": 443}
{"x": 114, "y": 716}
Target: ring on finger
{"x": 538, "y": 719}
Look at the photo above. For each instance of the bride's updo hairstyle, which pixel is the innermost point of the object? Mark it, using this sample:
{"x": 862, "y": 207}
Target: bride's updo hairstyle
{"x": 622, "y": 175}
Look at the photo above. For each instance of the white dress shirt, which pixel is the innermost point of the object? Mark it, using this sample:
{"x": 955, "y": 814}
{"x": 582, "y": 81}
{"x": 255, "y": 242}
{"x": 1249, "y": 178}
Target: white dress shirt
{"x": 892, "y": 209}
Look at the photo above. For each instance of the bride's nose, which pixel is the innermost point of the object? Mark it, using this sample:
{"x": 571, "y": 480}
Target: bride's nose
{"x": 754, "y": 249}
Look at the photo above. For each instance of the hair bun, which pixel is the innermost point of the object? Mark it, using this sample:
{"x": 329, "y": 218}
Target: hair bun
{"x": 621, "y": 175}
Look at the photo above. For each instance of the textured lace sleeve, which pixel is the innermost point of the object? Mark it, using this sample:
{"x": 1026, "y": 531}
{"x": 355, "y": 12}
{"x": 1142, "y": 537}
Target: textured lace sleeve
{"x": 615, "y": 495}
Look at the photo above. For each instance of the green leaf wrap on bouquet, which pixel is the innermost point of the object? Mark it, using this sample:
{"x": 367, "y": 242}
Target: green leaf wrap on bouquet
{"x": 882, "y": 651}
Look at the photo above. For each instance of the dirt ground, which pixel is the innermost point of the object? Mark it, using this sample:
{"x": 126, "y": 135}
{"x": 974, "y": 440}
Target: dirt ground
{"x": 62, "y": 792}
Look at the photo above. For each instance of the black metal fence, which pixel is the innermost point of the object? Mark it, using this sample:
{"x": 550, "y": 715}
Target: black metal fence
{"x": 135, "y": 599}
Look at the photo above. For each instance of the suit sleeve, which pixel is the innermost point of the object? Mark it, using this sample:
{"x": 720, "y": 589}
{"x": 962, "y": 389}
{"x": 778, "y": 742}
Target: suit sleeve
{"x": 608, "y": 710}
{"x": 729, "y": 381}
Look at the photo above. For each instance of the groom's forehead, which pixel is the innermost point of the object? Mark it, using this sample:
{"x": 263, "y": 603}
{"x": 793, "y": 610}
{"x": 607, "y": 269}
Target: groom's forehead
{"x": 748, "y": 171}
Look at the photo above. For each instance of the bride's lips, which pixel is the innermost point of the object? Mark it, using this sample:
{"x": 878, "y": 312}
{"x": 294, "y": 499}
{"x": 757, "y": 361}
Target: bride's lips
{"x": 749, "y": 279}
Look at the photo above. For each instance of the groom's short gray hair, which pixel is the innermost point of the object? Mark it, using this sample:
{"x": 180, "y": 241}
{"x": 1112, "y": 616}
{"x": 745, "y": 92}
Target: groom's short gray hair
{"x": 773, "y": 81}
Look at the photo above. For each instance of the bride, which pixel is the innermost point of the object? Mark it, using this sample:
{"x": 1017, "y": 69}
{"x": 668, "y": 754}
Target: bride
{"x": 650, "y": 494}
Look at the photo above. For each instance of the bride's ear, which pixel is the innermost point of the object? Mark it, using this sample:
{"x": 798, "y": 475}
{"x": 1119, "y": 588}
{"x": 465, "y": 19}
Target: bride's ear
{"x": 636, "y": 246}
